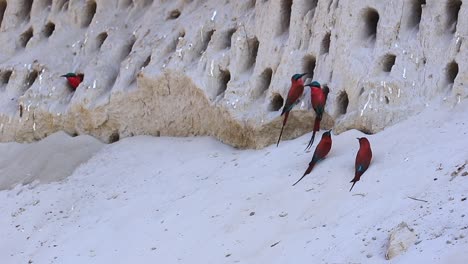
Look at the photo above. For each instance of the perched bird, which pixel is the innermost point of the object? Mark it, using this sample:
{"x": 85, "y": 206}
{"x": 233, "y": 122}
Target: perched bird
{"x": 318, "y": 97}
{"x": 320, "y": 152}
{"x": 74, "y": 79}
{"x": 363, "y": 159}
{"x": 295, "y": 92}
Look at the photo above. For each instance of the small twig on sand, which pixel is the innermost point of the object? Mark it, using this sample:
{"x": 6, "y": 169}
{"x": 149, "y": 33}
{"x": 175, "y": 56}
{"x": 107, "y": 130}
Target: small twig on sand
{"x": 359, "y": 194}
{"x": 416, "y": 199}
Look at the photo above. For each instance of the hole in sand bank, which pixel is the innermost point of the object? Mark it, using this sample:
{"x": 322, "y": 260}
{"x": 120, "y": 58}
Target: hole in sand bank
{"x": 25, "y": 9}
{"x": 415, "y": 13}
{"x": 451, "y": 72}
{"x": 5, "y": 77}
{"x": 342, "y": 102}
{"x": 49, "y": 29}
{"x": 325, "y": 46}
{"x": 146, "y": 62}
{"x": 308, "y": 65}
{"x": 265, "y": 81}
{"x": 387, "y": 101}
{"x": 3, "y": 6}
{"x": 252, "y": 45}
{"x": 174, "y": 14}
{"x": 100, "y": 39}
{"x": 223, "y": 80}
{"x": 285, "y": 15}
{"x": 452, "y": 10}
{"x": 89, "y": 12}
{"x": 25, "y": 37}
{"x": 128, "y": 47}
{"x": 387, "y": 62}
{"x": 206, "y": 38}
{"x": 371, "y": 19}
{"x": 227, "y": 38}
{"x": 114, "y": 137}
{"x": 276, "y": 102}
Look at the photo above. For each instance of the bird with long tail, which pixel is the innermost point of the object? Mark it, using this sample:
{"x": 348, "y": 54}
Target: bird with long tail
{"x": 321, "y": 151}
{"x": 295, "y": 92}
{"x": 74, "y": 79}
{"x": 318, "y": 97}
{"x": 363, "y": 159}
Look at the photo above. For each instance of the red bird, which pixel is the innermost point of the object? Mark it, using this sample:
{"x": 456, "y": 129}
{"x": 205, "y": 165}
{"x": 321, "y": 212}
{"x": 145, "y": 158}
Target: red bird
{"x": 318, "y": 97}
{"x": 320, "y": 152}
{"x": 363, "y": 159}
{"x": 295, "y": 92}
{"x": 74, "y": 79}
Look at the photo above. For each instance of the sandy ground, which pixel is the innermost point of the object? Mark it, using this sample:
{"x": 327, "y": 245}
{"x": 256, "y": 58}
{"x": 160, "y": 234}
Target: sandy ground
{"x": 196, "y": 200}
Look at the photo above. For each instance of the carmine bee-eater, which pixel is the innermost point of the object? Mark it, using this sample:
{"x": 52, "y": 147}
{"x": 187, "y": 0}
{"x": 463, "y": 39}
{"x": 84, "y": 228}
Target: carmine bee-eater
{"x": 363, "y": 159}
{"x": 74, "y": 79}
{"x": 318, "y": 97}
{"x": 320, "y": 152}
{"x": 295, "y": 92}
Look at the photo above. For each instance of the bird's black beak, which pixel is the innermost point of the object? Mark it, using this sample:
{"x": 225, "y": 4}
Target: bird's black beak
{"x": 329, "y": 131}
{"x": 358, "y": 138}
{"x": 63, "y": 75}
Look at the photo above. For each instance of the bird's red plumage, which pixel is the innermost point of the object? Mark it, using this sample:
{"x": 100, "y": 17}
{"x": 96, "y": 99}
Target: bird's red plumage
{"x": 75, "y": 80}
{"x": 294, "y": 93}
{"x": 363, "y": 159}
{"x": 321, "y": 151}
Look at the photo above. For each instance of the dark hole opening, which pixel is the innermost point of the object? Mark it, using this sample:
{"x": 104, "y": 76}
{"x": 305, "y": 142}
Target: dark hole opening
{"x": 285, "y": 15}
{"x": 206, "y": 40}
{"x": 146, "y": 62}
{"x": 228, "y": 38}
{"x": 371, "y": 20}
{"x": 114, "y": 137}
{"x": 49, "y": 29}
{"x": 416, "y": 13}
{"x": 276, "y": 102}
{"x": 452, "y": 71}
{"x": 308, "y": 65}
{"x": 265, "y": 81}
{"x": 90, "y": 11}
{"x": 174, "y": 14}
{"x": 325, "y": 47}
{"x": 3, "y": 6}
{"x": 25, "y": 12}
{"x": 388, "y": 62}
{"x": 5, "y": 77}
{"x": 223, "y": 78}
{"x": 101, "y": 38}
{"x": 342, "y": 102}
{"x": 453, "y": 8}
{"x": 253, "y": 45}
{"x": 25, "y": 37}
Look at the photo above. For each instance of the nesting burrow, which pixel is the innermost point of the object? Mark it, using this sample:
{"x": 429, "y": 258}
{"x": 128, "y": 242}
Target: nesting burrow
{"x": 452, "y": 10}
{"x": 3, "y": 6}
{"x": 263, "y": 82}
{"x": 4, "y": 78}
{"x": 226, "y": 40}
{"x": 285, "y": 16}
{"x": 276, "y": 102}
{"x": 371, "y": 18}
{"x": 308, "y": 65}
{"x": 174, "y": 14}
{"x": 25, "y": 37}
{"x": 25, "y": 10}
{"x": 451, "y": 72}
{"x": 325, "y": 45}
{"x": 30, "y": 79}
{"x": 88, "y": 13}
{"x": 49, "y": 29}
{"x": 114, "y": 137}
{"x": 342, "y": 102}
{"x": 223, "y": 79}
{"x": 387, "y": 62}
{"x": 415, "y": 13}
{"x": 252, "y": 46}
{"x": 100, "y": 39}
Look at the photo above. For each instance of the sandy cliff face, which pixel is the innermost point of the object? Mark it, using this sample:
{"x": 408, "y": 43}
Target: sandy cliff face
{"x": 223, "y": 68}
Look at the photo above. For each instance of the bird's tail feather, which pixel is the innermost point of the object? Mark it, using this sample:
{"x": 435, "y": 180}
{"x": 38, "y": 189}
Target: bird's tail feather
{"x": 354, "y": 182}
{"x": 309, "y": 169}
{"x": 282, "y": 128}
{"x": 316, "y": 128}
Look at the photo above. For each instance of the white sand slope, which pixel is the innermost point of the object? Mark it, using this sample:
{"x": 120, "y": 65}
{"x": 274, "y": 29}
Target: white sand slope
{"x": 195, "y": 200}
